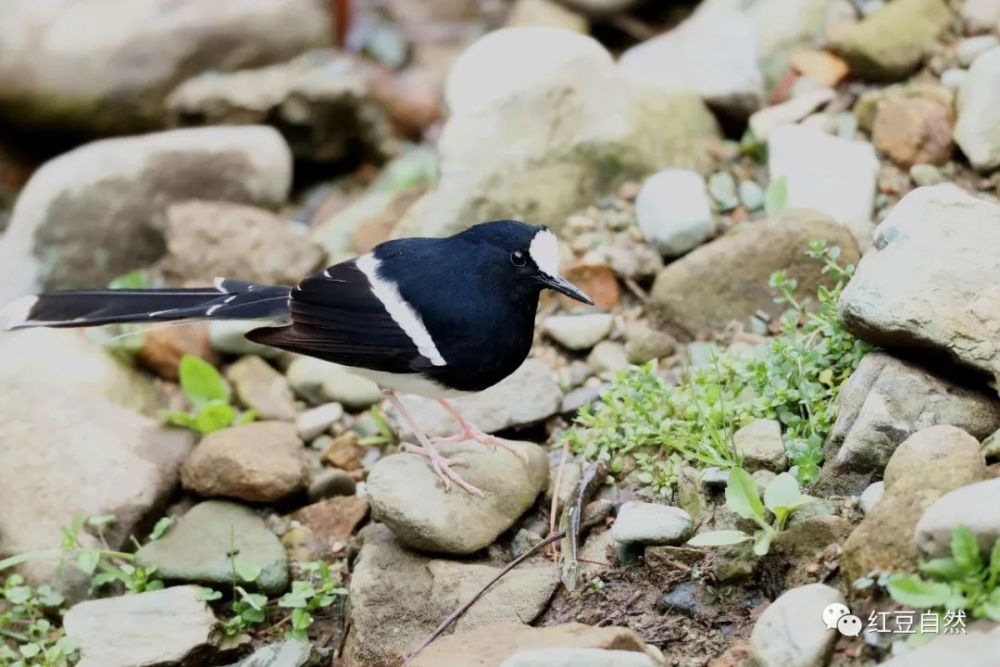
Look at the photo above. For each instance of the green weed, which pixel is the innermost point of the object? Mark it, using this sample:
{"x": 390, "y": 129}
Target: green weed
{"x": 210, "y": 395}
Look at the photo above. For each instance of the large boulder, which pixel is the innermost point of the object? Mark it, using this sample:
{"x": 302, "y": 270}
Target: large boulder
{"x": 949, "y": 302}
{"x": 71, "y": 445}
{"x": 727, "y": 279}
{"x": 106, "y": 67}
{"x": 390, "y": 615}
{"x": 884, "y": 402}
{"x": 927, "y": 465}
{"x": 98, "y": 211}
{"x": 541, "y": 123}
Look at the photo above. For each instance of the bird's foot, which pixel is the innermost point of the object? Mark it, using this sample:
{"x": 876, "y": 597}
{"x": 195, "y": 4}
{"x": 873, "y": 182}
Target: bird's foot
{"x": 471, "y": 432}
{"x": 442, "y": 465}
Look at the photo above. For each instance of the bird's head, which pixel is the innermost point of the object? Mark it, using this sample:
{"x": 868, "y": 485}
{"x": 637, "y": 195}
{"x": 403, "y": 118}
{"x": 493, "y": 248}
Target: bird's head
{"x": 527, "y": 254}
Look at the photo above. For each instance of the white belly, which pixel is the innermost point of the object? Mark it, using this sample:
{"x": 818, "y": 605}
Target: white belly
{"x": 408, "y": 383}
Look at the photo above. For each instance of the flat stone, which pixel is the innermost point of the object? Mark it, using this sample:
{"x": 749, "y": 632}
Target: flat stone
{"x": 318, "y": 382}
{"x": 391, "y": 615}
{"x": 527, "y": 396}
{"x": 261, "y": 462}
{"x": 973, "y": 506}
{"x": 578, "y": 657}
{"x": 409, "y": 498}
{"x": 199, "y": 547}
{"x": 975, "y": 649}
{"x": 120, "y": 189}
{"x": 761, "y": 445}
{"x": 289, "y": 653}
{"x": 163, "y": 627}
{"x": 261, "y": 388}
{"x": 650, "y": 523}
{"x": 318, "y": 420}
{"x": 791, "y": 633}
{"x": 884, "y": 402}
{"x": 332, "y": 522}
{"x": 578, "y": 332}
{"x": 674, "y": 211}
{"x": 950, "y": 302}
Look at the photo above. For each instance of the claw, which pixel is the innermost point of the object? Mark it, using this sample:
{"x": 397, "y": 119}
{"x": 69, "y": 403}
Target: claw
{"x": 471, "y": 432}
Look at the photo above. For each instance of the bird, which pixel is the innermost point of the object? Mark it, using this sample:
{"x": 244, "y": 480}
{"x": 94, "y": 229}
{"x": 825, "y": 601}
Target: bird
{"x": 434, "y": 317}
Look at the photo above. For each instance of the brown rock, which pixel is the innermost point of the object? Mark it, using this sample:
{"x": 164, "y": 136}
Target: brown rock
{"x": 913, "y": 130}
{"x": 260, "y": 462}
{"x": 597, "y": 280}
{"x": 330, "y": 523}
{"x": 262, "y": 389}
{"x": 344, "y": 452}
{"x": 206, "y": 239}
{"x": 923, "y": 468}
{"x": 489, "y": 645}
{"x": 163, "y": 348}
{"x": 410, "y": 99}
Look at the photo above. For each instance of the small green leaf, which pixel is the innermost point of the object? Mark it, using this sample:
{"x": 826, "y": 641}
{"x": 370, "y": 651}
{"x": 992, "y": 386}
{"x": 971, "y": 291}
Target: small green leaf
{"x": 134, "y": 279}
{"x": 995, "y": 560}
{"x": 912, "y": 591}
{"x": 942, "y": 569}
{"x": 776, "y": 196}
{"x": 246, "y": 570}
{"x": 214, "y": 417}
{"x": 742, "y": 496}
{"x": 30, "y": 650}
{"x": 160, "y": 528}
{"x": 783, "y": 491}
{"x": 178, "y": 418}
{"x": 301, "y": 619}
{"x": 762, "y": 542}
{"x": 101, "y": 520}
{"x": 965, "y": 549}
{"x": 201, "y": 382}
{"x": 992, "y": 606}
{"x": 244, "y": 418}
{"x": 87, "y": 560}
{"x": 718, "y": 538}
{"x": 207, "y": 594}
{"x": 18, "y": 594}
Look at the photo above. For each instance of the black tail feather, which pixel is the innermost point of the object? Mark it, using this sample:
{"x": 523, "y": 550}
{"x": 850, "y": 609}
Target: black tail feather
{"x": 229, "y": 300}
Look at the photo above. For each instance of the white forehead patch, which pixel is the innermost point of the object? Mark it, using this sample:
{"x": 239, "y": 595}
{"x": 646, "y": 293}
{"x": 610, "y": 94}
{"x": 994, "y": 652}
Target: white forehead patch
{"x": 544, "y": 251}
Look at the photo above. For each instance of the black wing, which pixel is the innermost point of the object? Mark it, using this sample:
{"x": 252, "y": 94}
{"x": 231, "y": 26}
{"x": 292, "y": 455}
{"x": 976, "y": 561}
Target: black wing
{"x": 337, "y": 317}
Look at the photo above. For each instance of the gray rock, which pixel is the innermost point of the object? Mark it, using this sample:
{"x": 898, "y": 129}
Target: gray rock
{"x": 949, "y": 301}
{"x": 120, "y": 189}
{"x": 331, "y": 482}
{"x": 528, "y": 396}
{"x": 871, "y": 495}
{"x": 319, "y": 101}
{"x": 828, "y": 174}
{"x": 790, "y": 632}
{"x": 718, "y": 48}
{"x": 674, "y": 212}
{"x": 318, "y": 381}
{"x": 976, "y": 649}
{"x": 198, "y": 548}
{"x": 752, "y": 195}
{"x": 578, "y": 332}
{"x": 260, "y": 463}
{"x": 262, "y": 389}
{"x": 991, "y": 446}
{"x": 971, "y": 48}
{"x": 722, "y": 187}
{"x": 206, "y": 239}
{"x": 581, "y": 396}
{"x": 578, "y": 657}
{"x": 229, "y": 337}
{"x": 885, "y": 401}
{"x": 106, "y": 78}
{"x": 409, "y": 498}
{"x": 973, "y": 506}
{"x": 318, "y": 420}
{"x": 71, "y": 445}
{"x": 893, "y": 41}
{"x": 644, "y": 343}
{"x": 608, "y": 358}
{"x": 926, "y": 174}
{"x": 978, "y": 116}
{"x": 609, "y": 130}
{"x": 390, "y": 615}
{"x": 727, "y": 279}
{"x": 981, "y": 15}
{"x": 761, "y": 446}
{"x": 546, "y": 14}
{"x": 163, "y": 627}
{"x": 650, "y": 523}
{"x": 785, "y": 27}
{"x": 953, "y": 79}
{"x": 289, "y": 653}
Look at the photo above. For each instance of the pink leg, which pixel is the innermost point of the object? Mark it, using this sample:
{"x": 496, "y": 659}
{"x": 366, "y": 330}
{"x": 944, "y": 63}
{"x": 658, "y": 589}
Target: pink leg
{"x": 439, "y": 463}
{"x": 470, "y": 432}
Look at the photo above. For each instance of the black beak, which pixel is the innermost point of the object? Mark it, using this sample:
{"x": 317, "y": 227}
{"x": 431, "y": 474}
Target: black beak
{"x": 560, "y": 284}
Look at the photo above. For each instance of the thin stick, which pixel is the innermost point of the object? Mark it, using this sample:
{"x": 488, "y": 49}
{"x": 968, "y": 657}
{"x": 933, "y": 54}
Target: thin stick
{"x": 554, "y": 509}
{"x": 453, "y": 616}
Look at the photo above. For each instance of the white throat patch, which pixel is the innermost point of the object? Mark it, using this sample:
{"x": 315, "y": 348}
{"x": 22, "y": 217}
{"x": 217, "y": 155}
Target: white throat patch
{"x": 544, "y": 250}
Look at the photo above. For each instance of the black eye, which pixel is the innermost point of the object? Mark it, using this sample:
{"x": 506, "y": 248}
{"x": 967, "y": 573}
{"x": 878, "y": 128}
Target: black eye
{"x": 517, "y": 258}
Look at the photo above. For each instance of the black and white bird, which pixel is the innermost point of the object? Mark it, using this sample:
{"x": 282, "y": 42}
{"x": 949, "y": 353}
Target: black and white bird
{"x": 436, "y": 317}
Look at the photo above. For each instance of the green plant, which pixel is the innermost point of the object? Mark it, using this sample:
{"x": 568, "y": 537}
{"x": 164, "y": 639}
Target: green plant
{"x": 30, "y": 632}
{"x": 781, "y": 496}
{"x": 210, "y": 395}
{"x": 963, "y": 581}
{"x": 795, "y": 378}
{"x": 386, "y": 435}
{"x": 776, "y": 196}
{"x": 316, "y": 590}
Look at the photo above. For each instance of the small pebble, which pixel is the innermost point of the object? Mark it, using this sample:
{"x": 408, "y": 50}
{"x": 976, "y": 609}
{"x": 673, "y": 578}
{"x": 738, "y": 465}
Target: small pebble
{"x": 926, "y": 174}
{"x": 722, "y": 187}
{"x": 953, "y": 78}
{"x": 971, "y": 48}
{"x": 752, "y": 195}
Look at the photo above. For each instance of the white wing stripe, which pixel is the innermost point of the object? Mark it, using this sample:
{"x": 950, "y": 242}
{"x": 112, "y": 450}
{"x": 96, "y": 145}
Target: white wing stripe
{"x": 401, "y": 312}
